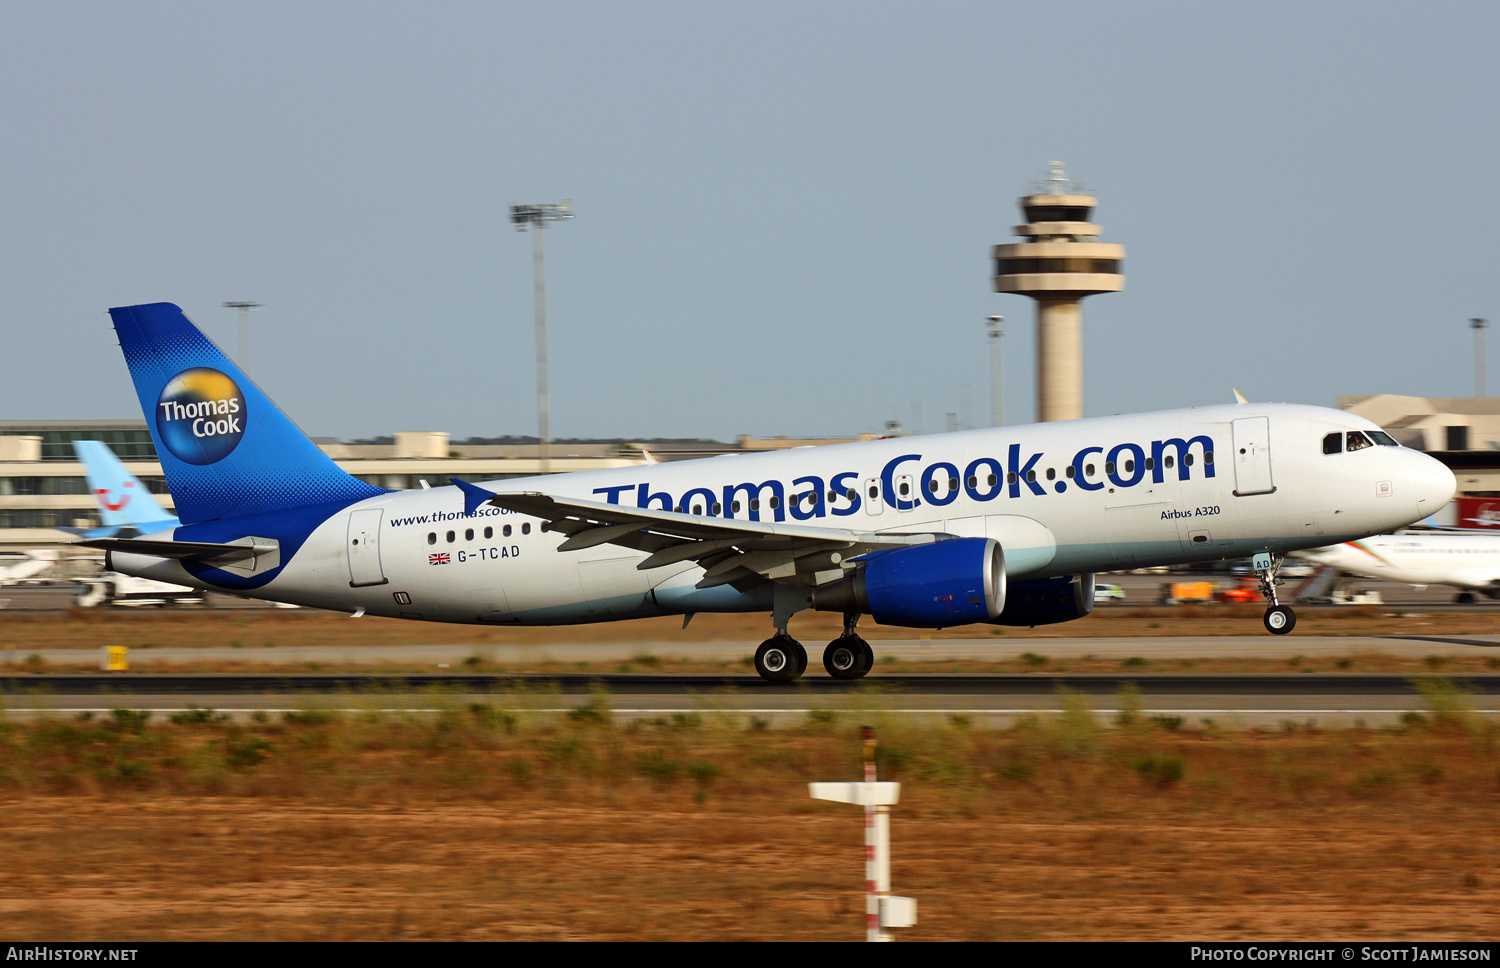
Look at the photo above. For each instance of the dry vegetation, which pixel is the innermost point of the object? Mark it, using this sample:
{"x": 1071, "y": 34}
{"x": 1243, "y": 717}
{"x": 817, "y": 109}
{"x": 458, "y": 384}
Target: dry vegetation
{"x": 490, "y": 822}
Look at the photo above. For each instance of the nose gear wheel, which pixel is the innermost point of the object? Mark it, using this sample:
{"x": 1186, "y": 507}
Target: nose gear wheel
{"x": 1279, "y": 619}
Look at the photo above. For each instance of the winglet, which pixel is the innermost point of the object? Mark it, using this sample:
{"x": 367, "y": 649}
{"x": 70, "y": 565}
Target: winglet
{"x": 474, "y": 495}
{"x": 1239, "y": 398}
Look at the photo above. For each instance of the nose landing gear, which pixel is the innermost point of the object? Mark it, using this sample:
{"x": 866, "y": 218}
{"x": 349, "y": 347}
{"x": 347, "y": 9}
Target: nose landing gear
{"x": 1279, "y": 618}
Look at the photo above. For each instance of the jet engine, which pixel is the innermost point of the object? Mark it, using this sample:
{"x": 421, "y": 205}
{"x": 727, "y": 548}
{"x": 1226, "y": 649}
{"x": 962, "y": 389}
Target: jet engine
{"x": 955, "y": 582}
{"x": 1047, "y": 601}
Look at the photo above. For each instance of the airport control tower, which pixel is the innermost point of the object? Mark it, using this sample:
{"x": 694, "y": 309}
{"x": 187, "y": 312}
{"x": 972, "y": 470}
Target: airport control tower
{"x": 1061, "y": 261}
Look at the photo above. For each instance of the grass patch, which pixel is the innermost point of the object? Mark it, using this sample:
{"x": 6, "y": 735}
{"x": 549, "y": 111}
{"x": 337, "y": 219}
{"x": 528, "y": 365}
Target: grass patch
{"x": 1160, "y": 769}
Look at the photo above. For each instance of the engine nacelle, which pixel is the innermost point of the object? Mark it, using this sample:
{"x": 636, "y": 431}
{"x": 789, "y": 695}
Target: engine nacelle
{"x": 955, "y": 582}
{"x": 1047, "y": 601}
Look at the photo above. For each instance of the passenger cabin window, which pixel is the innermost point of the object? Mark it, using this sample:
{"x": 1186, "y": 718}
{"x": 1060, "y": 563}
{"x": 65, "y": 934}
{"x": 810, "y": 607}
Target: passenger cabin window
{"x": 489, "y": 532}
{"x": 1333, "y": 444}
{"x": 432, "y": 537}
{"x": 1358, "y": 441}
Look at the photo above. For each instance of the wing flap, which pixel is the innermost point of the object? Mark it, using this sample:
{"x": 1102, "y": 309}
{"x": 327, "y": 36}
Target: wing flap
{"x": 730, "y": 550}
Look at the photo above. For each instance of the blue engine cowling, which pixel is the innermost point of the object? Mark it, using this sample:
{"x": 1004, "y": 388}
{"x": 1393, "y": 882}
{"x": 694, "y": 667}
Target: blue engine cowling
{"x": 955, "y": 582}
{"x": 1047, "y": 601}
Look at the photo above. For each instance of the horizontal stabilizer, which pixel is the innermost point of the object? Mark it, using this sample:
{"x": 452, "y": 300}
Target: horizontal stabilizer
{"x": 206, "y": 551}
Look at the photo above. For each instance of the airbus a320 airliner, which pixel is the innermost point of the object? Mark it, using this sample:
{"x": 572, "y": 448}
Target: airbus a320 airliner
{"x": 1005, "y": 526}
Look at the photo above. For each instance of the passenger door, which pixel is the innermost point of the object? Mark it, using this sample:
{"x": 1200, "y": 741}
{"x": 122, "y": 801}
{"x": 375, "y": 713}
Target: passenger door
{"x": 1252, "y": 456}
{"x": 364, "y": 548}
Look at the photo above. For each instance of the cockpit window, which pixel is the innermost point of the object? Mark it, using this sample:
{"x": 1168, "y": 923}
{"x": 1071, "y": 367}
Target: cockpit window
{"x": 1383, "y": 439}
{"x": 1333, "y": 444}
{"x": 1358, "y": 441}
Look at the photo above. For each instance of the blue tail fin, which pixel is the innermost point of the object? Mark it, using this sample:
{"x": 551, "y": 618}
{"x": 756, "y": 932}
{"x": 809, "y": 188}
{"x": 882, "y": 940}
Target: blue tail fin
{"x": 225, "y": 447}
{"x": 123, "y": 500}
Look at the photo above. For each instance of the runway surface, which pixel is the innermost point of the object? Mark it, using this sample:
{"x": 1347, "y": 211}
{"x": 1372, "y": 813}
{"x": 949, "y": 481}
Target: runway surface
{"x": 1228, "y": 700}
{"x": 902, "y": 650}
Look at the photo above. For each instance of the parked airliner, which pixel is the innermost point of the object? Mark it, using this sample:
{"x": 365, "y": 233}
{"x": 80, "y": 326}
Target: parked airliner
{"x": 31, "y": 567}
{"x": 1466, "y": 560}
{"x": 126, "y": 507}
{"x": 1005, "y": 526}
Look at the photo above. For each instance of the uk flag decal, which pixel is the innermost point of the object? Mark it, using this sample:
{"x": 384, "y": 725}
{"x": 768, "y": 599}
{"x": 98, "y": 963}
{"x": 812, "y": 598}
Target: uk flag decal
{"x": 441, "y": 559}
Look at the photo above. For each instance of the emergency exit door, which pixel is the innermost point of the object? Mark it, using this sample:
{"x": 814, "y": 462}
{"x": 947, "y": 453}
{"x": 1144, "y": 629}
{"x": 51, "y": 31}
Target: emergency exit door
{"x": 1252, "y": 456}
{"x": 364, "y": 548}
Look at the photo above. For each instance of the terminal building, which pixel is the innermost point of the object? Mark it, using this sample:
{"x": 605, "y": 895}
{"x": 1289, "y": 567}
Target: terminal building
{"x": 43, "y": 487}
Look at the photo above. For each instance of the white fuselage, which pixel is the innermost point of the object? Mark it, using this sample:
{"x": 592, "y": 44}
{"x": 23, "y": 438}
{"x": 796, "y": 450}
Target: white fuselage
{"x": 1461, "y": 560}
{"x": 1090, "y": 495}
{"x": 38, "y": 562}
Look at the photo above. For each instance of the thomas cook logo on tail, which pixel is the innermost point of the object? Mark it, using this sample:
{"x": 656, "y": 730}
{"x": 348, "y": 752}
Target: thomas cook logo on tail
{"x": 200, "y": 415}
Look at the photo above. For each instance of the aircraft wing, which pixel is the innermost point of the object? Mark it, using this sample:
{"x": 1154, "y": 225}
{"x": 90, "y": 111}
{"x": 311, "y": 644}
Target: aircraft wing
{"x": 729, "y": 550}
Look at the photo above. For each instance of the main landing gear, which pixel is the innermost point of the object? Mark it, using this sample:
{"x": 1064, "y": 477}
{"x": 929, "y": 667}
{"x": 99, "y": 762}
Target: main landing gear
{"x": 1279, "y": 619}
{"x": 782, "y": 658}
{"x": 849, "y": 656}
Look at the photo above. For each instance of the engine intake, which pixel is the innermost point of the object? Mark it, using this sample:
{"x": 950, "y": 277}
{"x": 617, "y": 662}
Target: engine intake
{"x": 955, "y": 582}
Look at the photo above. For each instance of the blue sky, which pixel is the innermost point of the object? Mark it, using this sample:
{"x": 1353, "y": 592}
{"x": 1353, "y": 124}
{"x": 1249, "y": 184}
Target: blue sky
{"x": 785, "y": 211}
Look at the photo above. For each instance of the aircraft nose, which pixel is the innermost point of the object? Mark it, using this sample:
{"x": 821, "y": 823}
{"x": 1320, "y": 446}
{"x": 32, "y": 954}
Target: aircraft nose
{"x": 1433, "y": 483}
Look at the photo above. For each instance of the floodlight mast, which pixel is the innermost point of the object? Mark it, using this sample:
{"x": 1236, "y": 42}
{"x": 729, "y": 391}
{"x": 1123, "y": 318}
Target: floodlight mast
{"x": 1478, "y": 326}
{"x": 997, "y": 391}
{"x": 244, "y": 308}
{"x": 537, "y": 217}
